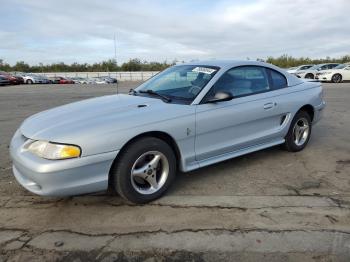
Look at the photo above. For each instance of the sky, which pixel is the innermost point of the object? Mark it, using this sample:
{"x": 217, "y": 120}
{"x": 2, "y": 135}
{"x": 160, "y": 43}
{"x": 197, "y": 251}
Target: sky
{"x": 47, "y": 31}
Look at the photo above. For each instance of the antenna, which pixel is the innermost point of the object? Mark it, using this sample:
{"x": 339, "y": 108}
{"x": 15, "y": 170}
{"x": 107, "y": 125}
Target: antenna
{"x": 115, "y": 59}
{"x": 115, "y": 49}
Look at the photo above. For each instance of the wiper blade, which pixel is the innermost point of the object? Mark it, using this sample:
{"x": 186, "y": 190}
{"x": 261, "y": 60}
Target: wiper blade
{"x": 151, "y": 92}
{"x": 132, "y": 92}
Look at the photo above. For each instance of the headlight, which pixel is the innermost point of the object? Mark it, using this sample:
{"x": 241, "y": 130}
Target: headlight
{"x": 54, "y": 151}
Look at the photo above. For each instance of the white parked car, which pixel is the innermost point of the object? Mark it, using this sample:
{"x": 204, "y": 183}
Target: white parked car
{"x": 79, "y": 80}
{"x": 336, "y": 75}
{"x": 312, "y": 71}
{"x": 99, "y": 80}
{"x": 34, "y": 79}
{"x": 294, "y": 70}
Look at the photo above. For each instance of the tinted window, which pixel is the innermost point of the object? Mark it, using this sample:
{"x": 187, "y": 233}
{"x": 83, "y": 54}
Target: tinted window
{"x": 278, "y": 80}
{"x": 332, "y": 66}
{"x": 305, "y": 67}
{"x": 242, "y": 81}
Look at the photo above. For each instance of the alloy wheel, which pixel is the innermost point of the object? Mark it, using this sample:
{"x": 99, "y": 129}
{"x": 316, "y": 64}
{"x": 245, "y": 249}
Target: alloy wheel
{"x": 149, "y": 172}
{"x": 301, "y": 131}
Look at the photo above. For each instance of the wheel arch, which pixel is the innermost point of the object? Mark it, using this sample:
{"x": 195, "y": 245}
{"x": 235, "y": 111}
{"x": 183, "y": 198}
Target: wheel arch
{"x": 309, "y": 109}
{"x": 310, "y": 74}
{"x": 157, "y": 134}
{"x": 337, "y": 74}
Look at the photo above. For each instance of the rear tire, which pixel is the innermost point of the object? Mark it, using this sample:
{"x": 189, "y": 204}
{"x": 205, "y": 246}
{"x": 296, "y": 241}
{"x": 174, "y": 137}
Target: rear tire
{"x": 310, "y": 76}
{"x": 337, "y": 78}
{"x": 144, "y": 170}
{"x": 299, "y": 132}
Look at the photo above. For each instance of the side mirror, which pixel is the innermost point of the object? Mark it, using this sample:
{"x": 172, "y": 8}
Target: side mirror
{"x": 220, "y": 96}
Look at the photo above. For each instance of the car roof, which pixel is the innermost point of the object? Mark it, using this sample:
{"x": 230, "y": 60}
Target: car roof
{"x": 222, "y": 63}
{"x": 327, "y": 64}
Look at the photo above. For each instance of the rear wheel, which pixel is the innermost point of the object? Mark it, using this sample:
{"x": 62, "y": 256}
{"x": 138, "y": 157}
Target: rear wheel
{"x": 144, "y": 170}
{"x": 310, "y": 76}
{"x": 337, "y": 78}
{"x": 299, "y": 132}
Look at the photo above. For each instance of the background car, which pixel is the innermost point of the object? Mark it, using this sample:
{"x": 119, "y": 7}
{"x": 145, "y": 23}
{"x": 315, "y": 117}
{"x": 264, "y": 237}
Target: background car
{"x": 80, "y": 80}
{"x": 99, "y": 80}
{"x": 60, "y": 80}
{"x": 44, "y": 79}
{"x": 296, "y": 69}
{"x": 4, "y": 81}
{"x": 14, "y": 80}
{"x": 336, "y": 75}
{"x": 110, "y": 80}
{"x": 33, "y": 78}
{"x": 311, "y": 72}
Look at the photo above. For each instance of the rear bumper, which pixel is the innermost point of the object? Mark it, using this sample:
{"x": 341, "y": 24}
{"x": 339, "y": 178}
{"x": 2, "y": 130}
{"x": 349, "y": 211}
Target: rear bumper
{"x": 59, "y": 177}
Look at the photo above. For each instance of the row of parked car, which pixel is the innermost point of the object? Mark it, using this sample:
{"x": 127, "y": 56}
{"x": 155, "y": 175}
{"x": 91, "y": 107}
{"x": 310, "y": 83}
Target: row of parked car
{"x": 331, "y": 72}
{"x": 23, "y": 78}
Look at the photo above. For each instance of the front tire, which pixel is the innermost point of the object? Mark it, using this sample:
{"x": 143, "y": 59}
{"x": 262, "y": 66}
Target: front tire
{"x": 144, "y": 170}
{"x": 29, "y": 82}
{"x": 337, "y": 78}
{"x": 299, "y": 132}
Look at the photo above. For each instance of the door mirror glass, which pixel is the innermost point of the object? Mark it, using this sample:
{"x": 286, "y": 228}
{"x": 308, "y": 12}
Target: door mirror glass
{"x": 220, "y": 96}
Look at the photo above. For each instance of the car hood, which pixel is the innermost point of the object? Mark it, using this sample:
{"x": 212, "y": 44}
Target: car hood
{"x": 97, "y": 116}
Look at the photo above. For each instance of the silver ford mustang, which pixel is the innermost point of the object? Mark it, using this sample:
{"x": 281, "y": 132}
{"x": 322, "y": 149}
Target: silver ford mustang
{"x": 186, "y": 117}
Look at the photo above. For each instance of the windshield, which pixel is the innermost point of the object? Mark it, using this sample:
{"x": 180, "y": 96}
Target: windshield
{"x": 341, "y": 66}
{"x": 315, "y": 67}
{"x": 180, "y": 82}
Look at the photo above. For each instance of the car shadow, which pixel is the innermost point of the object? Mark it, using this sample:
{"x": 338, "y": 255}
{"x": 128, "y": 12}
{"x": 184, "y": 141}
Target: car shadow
{"x": 233, "y": 164}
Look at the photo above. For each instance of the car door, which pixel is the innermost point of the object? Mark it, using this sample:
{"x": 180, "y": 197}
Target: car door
{"x": 254, "y": 116}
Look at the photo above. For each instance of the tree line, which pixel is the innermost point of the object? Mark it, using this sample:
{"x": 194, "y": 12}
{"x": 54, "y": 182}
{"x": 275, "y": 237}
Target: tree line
{"x": 284, "y": 61}
{"x": 104, "y": 66}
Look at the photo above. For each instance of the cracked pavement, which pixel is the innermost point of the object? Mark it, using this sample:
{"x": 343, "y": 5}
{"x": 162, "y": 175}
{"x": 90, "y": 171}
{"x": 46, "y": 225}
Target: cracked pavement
{"x": 270, "y": 205}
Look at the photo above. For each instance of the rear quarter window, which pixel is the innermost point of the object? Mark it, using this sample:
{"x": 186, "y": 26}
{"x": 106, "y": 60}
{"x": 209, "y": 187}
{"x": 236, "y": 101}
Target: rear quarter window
{"x": 278, "y": 80}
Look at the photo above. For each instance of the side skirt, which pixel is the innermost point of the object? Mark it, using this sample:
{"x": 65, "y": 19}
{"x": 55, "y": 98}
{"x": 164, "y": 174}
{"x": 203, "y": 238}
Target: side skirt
{"x": 223, "y": 157}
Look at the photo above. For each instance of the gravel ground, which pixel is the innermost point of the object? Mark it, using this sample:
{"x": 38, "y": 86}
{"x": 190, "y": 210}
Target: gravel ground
{"x": 269, "y": 205}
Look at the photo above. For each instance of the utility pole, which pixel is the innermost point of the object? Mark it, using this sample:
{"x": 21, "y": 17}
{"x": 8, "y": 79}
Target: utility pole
{"x": 115, "y": 59}
{"x": 115, "y": 50}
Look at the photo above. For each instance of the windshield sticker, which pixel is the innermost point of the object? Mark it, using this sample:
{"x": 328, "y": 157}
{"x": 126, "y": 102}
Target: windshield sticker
{"x": 204, "y": 70}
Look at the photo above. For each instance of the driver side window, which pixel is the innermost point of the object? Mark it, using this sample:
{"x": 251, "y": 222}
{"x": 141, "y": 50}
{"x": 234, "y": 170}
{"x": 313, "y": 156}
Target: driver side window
{"x": 243, "y": 81}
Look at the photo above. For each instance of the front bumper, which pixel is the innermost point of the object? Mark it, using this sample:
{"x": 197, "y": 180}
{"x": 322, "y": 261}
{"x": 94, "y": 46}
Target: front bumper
{"x": 68, "y": 177}
{"x": 325, "y": 78}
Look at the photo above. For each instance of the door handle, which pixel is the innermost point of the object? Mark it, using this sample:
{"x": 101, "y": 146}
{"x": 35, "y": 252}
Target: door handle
{"x": 268, "y": 105}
